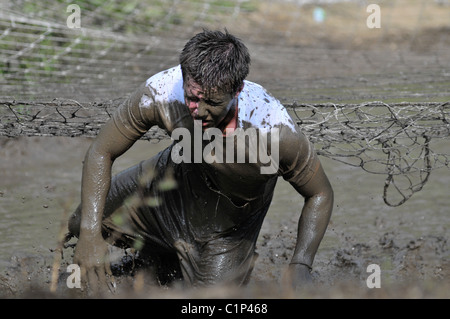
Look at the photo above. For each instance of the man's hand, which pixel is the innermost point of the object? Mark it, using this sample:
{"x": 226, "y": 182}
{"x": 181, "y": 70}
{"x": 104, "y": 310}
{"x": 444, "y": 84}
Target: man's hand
{"x": 298, "y": 276}
{"x": 92, "y": 255}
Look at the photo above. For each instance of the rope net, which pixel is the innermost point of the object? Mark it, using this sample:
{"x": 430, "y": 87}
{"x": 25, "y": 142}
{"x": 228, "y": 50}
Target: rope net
{"x": 393, "y": 140}
{"x": 60, "y": 80}
{"x": 390, "y": 139}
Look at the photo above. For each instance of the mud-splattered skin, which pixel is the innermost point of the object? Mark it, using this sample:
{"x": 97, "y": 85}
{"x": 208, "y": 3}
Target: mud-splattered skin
{"x": 213, "y": 217}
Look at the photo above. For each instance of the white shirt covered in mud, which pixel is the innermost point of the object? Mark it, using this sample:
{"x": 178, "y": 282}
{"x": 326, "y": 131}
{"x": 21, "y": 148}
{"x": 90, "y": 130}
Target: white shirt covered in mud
{"x": 212, "y": 213}
{"x": 256, "y": 106}
{"x": 160, "y": 101}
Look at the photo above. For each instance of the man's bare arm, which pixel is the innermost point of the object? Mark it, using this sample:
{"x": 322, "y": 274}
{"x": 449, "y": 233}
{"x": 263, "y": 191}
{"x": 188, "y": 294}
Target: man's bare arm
{"x": 108, "y": 145}
{"x": 302, "y": 168}
{"x": 312, "y": 225}
{"x": 92, "y": 251}
{"x": 114, "y": 138}
{"x": 314, "y": 218}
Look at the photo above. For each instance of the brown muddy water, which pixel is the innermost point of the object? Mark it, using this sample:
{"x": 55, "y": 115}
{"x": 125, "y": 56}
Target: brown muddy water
{"x": 40, "y": 186}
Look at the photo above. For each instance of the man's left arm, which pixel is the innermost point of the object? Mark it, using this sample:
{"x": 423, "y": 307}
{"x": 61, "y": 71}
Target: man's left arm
{"x": 307, "y": 176}
{"x": 312, "y": 225}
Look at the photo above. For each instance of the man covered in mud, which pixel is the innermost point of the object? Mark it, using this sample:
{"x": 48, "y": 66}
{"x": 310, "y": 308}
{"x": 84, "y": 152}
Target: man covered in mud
{"x": 203, "y": 209}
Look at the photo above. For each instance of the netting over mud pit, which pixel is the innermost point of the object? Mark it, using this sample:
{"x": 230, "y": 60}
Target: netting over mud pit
{"x": 395, "y": 140}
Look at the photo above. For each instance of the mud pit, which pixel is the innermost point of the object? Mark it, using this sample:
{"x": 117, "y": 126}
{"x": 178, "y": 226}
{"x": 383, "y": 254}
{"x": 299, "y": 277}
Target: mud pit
{"x": 40, "y": 186}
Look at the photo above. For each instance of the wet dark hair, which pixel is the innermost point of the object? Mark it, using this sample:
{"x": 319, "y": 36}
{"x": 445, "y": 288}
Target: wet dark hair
{"x": 215, "y": 60}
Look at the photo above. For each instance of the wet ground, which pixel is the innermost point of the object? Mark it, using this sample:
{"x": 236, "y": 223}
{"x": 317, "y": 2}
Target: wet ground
{"x": 40, "y": 185}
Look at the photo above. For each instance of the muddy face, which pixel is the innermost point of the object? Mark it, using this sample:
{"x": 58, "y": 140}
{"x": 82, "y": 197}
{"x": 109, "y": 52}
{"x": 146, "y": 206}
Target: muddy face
{"x": 213, "y": 108}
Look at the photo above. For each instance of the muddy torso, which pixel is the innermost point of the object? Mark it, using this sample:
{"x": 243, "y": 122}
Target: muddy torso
{"x": 228, "y": 191}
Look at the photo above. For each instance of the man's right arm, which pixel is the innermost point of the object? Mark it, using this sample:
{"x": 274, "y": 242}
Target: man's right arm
{"x": 118, "y": 134}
